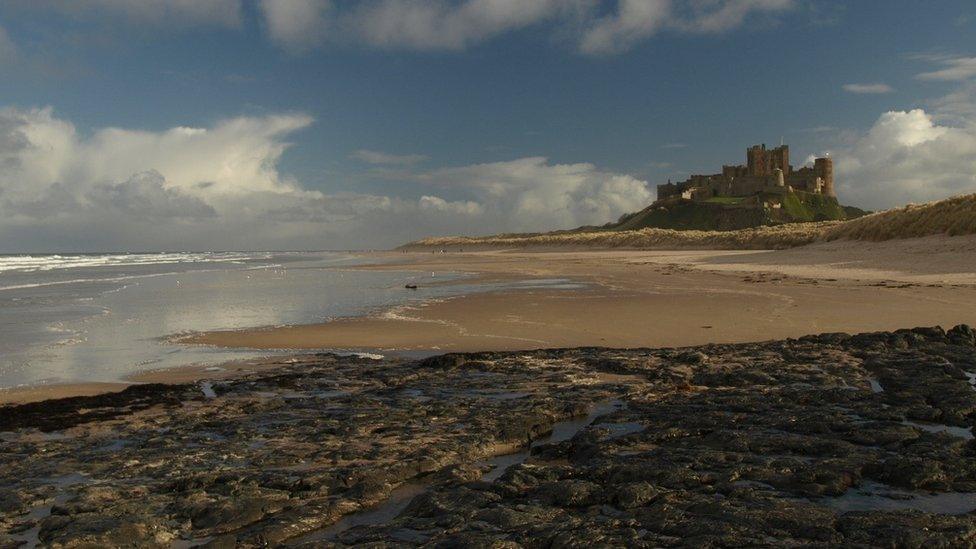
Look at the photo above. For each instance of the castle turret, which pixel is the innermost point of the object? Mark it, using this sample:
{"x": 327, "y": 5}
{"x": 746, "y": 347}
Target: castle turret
{"x": 824, "y": 168}
{"x": 780, "y": 180}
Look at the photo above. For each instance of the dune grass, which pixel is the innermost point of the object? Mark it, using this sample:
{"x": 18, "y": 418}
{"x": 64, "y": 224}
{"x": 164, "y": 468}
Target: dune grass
{"x": 952, "y": 217}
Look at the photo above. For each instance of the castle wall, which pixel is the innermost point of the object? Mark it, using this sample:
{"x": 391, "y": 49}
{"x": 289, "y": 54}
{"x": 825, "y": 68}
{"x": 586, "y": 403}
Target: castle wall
{"x": 765, "y": 171}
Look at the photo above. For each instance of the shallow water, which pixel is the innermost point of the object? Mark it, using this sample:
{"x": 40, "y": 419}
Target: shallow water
{"x": 875, "y": 496}
{"x": 62, "y": 495}
{"x": 401, "y": 497}
{"x": 103, "y": 317}
{"x": 382, "y": 513}
{"x": 561, "y": 431}
{"x": 961, "y": 432}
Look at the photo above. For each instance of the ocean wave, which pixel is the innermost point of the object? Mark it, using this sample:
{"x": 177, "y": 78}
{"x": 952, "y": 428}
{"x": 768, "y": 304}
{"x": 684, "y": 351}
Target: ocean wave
{"x": 34, "y": 263}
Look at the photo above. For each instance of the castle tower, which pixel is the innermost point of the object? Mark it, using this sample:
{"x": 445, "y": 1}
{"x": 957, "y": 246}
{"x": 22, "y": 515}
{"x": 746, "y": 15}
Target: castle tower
{"x": 756, "y": 160}
{"x": 824, "y": 168}
{"x": 780, "y": 180}
{"x": 780, "y": 158}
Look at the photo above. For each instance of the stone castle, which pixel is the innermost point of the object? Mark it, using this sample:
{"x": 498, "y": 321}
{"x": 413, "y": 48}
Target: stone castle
{"x": 765, "y": 172}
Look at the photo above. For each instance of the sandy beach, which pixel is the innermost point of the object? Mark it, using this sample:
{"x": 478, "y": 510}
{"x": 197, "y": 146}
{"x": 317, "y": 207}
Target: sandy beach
{"x": 659, "y": 298}
{"x": 621, "y": 298}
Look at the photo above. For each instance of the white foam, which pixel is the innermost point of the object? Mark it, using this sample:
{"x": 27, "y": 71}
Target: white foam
{"x": 33, "y": 263}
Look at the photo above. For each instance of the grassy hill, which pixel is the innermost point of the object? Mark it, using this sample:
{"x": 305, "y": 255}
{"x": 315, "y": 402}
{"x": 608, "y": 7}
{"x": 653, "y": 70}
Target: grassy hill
{"x": 950, "y": 217}
{"x": 733, "y": 213}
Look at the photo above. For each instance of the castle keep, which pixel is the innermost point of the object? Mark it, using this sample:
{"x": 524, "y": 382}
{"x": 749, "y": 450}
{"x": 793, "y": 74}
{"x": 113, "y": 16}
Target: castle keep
{"x": 766, "y": 172}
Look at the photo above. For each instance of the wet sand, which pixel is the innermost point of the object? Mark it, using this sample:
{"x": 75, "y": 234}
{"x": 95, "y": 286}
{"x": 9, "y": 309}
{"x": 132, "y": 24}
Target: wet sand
{"x": 659, "y": 299}
{"x": 36, "y": 393}
{"x": 630, "y": 299}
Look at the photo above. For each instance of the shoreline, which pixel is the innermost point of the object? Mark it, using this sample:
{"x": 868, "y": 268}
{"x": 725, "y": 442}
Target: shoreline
{"x": 656, "y": 299}
{"x": 630, "y": 299}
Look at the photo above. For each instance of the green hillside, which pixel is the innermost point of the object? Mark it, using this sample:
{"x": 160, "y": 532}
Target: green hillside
{"x": 732, "y": 213}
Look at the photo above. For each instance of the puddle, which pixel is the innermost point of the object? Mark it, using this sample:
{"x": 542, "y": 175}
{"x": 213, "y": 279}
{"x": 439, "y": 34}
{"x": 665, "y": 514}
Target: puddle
{"x": 29, "y": 537}
{"x": 875, "y": 386}
{"x": 493, "y": 395}
{"x": 379, "y": 514}
{"x": 402, "y": 496}
{"x": 415, "y": 394}
{"x": 961, "y": 432}
{"x": 548, "y": 284}
{"x": 207, "y": 388}
{"x": 875, "y": 496}
{"x": 189, "y": 543}
{"x": 563, "y": 430}
{"x": 753, "y": 484}
{"x": 617, "y": 430}
{"x": 113, "y": 446}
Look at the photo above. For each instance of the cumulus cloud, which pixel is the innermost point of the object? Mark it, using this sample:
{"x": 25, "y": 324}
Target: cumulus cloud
{"x": 530, "y": 194}
{"x": 220, "y": 187}
{"x": 878, "y": 88}
{"x": 297, "y": 25}
{"x": 953, "y": 69}
{"x": 386, "y": 159}
{"x": 907, "y": 156}
{"x": 144, "y": 197}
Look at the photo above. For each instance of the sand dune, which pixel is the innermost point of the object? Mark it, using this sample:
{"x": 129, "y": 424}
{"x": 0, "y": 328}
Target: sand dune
{"x": 954, "y": 216}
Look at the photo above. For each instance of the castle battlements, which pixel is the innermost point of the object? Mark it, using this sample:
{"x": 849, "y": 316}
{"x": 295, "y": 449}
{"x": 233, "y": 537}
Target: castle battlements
{"x": 766, "y": 171}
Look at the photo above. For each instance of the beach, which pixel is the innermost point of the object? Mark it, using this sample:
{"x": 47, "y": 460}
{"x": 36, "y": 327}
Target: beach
{"x": 635, "y": 298}
{"x": 506, "y": 300}
{"x": 639, "y": 398}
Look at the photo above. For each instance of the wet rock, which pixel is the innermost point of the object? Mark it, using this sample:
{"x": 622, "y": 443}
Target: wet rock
{"x": 570, "y": 493}
{"x": 962, "y": 335}
{"x": 634, "y": 495}
{"x": 100, "y": 530}
{"x": 725, "y": 445}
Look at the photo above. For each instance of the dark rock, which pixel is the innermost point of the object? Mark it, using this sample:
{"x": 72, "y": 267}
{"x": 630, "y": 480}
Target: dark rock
{"x": 962, "y": 335}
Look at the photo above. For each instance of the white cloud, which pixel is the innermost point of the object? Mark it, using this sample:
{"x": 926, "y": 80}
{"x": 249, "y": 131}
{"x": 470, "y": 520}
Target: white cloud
{"x": 958, "y": 106}
{"x": 438, "y": 24}
{"x": 435, "y": 203}
{"x": 877, "y": 88}
{"x": 954, "y": 69}
{"x": 529, "y": 194}
{"x": 219, "y": 187}
{"x": 636, "y": 20}
{"x": 386, "y": 159}
{"x": 907, "y": 157}
{"x": 297, "y": 25}
{"x": 144, "y": 197}
{"x": 633, "y": 21}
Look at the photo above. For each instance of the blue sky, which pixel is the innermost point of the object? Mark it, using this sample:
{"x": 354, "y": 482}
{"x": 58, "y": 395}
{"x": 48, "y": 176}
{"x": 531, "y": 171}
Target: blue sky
{"x": 318, "y": 124}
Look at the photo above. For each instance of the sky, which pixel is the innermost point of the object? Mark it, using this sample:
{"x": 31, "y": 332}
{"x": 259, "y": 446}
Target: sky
{"x": 128, "y": 125}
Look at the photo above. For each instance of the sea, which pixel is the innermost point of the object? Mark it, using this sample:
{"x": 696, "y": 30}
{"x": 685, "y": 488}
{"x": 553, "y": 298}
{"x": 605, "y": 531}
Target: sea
{"x": 101, "y": 317}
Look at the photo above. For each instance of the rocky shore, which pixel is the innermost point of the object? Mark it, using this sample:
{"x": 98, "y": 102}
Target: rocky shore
{"x": 827, "y": 440}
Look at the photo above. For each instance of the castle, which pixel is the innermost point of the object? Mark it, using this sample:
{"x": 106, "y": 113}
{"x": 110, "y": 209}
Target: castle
{"x": 765, "y": 172}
